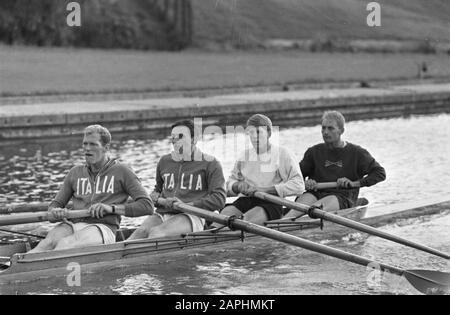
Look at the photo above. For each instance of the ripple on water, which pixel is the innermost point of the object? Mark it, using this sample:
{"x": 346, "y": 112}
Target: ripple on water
{"x": 138, "y": 284}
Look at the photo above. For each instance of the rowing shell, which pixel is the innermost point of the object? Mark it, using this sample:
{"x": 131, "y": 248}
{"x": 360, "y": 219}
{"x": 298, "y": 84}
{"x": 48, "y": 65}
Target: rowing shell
{"x": 26, "y": 267}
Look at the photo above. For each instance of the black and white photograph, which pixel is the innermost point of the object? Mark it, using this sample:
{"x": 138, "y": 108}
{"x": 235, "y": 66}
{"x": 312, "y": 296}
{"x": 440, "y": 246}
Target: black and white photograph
{"x": 229, "y": 154}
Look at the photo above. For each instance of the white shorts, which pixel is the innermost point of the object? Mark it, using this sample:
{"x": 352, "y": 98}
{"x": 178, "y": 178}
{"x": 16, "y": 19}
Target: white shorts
{"x": 108, "y": 235}
{"x": 197, "y": 223}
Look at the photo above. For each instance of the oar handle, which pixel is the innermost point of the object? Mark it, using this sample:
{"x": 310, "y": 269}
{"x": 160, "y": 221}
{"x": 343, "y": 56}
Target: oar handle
{"x": 24, "y": 218}
{"x": 329, "y": 185}
{"x": 326, "y": 185}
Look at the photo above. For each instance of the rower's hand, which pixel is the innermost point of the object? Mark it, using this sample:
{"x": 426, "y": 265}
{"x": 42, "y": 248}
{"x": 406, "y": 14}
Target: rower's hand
{"x": 169, "y": 203}
{"x": 57, "y": 214}
{"x": 99, "y": 210}
{"x": 344, "y": 182}
{"x": 241, "y": 187}
{"x": 249, "y": 190}
{"x": 154, "y": 196}
{"x": 311, "y": 184}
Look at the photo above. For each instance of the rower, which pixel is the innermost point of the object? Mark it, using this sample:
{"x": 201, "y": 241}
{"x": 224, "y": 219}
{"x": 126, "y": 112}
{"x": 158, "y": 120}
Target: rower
{"x": 186, "y": 174}
{"x": 103, "y": 186}
{"x": 264, "y": 167}
{"x": 336, "y": 160}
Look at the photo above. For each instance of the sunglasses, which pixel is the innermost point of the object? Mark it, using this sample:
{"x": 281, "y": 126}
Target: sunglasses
{"x": 252, "y": 131}
{"x": 177, "y": 137}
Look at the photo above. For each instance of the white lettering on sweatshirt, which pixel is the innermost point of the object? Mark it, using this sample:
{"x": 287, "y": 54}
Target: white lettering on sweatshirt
{"x": 169, "y": 181}
{"x": 102, "y": 186}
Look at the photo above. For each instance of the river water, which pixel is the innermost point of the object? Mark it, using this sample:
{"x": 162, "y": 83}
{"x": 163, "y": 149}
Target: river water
{"x": 414, "y": 151}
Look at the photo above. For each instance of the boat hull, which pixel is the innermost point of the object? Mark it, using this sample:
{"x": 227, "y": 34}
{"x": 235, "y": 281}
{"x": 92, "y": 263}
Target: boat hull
{"x": 26, "y": 267}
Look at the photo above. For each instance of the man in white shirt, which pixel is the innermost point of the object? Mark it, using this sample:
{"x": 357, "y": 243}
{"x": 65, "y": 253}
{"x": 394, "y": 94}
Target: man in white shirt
{"x": 266, "y": 168}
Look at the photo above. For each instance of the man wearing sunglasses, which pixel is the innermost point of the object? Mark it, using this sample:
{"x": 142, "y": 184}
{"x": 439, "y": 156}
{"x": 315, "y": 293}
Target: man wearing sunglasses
{"x": 187, "y": 175}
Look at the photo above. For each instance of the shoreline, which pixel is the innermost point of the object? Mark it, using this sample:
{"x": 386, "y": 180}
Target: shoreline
{"x": 31, "y": 121}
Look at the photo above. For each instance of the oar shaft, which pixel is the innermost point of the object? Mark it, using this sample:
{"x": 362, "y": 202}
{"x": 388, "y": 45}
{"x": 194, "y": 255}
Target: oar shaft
{"x": 349, "y": 223}
{"x": 280, "y": 236}
{"x": 326, "y": 185}
{"x": 21, "y": 233}
{"x": 23, "y": 218}
{"x": 32, "y": 207}
{"x": 43, "y": 206}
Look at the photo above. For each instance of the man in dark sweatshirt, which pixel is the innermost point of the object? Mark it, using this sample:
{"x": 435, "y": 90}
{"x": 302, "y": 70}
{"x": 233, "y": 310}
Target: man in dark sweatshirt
{"x": 335, "y": 160}
{"x": 103, "y": 186}
{"x": 187, "y": 175}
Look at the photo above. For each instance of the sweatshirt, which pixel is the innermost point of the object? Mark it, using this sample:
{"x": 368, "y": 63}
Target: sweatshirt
{"x": 276, "y": 167}
{"x": 113, "y": 184}
{"x": 199, "y": 181}
{"x": 323, "y": 164}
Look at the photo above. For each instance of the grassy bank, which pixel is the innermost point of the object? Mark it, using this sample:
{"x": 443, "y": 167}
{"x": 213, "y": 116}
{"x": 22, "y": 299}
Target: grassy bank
{"x": 329, "y": 25}
{"x": 237, "y": 23}
{"x": 30, "y": 71}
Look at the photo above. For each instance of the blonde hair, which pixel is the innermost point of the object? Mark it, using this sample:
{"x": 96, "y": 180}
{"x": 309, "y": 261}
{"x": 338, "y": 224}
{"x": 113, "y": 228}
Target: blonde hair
{"x": 260, "y": 120}
{"x": 105, "y": 136}
{"x": 335, "y": 116}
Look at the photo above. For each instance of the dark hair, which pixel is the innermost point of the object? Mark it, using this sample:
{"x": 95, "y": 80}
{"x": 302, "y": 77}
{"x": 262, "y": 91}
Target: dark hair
{"x": 186, "y": 123}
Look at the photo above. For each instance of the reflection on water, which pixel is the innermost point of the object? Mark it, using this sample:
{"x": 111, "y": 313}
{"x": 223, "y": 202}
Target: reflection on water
{"x": 414, "y": 152}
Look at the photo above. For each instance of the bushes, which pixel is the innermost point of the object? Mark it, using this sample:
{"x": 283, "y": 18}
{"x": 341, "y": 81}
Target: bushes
{"x": 105, "y": 24}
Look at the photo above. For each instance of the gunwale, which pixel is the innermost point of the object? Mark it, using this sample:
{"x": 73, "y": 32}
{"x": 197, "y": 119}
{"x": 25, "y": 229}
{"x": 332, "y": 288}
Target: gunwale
{"x": 26, "y": 267}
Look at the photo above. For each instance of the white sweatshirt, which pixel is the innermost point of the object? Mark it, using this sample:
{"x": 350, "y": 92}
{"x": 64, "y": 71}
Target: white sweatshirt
{"x": 277, "y": 168}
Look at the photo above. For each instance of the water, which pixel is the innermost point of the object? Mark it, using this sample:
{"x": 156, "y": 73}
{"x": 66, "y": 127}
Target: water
{"x": 414, "y": 152}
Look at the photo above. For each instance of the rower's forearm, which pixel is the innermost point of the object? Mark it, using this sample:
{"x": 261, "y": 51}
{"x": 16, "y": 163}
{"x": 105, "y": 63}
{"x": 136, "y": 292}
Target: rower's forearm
{"x": 214, "y": 201}
{"x": 376, "y": 176}
{"x": 140, "y": 207}
{"x": 269, "y": 190}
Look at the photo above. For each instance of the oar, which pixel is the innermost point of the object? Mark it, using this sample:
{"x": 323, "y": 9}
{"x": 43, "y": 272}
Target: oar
{"x": 43, "y": 206}
{"x": 317, "y": 213}
{"x": 326, "y": 185}
{"x": 30, "y": 207}
{"x": 21, "y": 233}
{"x": 426, "y": 281}
{"x": 23, "y": 218}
